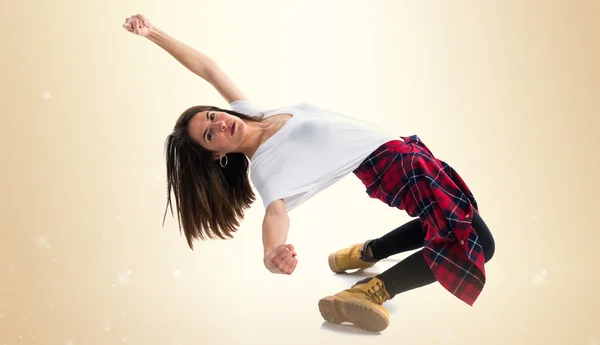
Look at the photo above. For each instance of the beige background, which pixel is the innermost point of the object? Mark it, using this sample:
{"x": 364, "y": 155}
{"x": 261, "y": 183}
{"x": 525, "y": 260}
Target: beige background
{"x": 506, "y": 92}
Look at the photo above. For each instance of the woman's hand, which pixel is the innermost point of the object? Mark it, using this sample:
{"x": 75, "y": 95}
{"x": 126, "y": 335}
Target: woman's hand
{"x": 138, "y": 25}
{"x": 282, "y": 259}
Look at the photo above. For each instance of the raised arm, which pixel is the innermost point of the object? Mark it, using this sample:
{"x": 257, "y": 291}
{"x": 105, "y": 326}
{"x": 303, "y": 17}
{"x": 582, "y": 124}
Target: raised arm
{"x": 195, "y": 61}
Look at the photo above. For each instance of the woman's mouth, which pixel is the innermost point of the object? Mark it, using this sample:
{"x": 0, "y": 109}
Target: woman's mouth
{"x": 232, "y": 128}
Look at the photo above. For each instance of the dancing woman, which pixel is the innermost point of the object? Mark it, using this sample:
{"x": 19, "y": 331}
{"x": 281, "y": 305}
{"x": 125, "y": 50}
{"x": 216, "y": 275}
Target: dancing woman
{"x": 299, "y": 150}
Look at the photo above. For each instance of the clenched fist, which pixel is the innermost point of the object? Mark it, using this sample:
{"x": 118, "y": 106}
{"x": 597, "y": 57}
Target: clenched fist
{"x": 138, "y": 25}
{"x": 282, "y": 259}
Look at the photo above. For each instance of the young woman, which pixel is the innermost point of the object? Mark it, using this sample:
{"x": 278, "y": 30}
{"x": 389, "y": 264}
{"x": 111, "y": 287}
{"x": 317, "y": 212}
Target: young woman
{"x": 299, "y": 150}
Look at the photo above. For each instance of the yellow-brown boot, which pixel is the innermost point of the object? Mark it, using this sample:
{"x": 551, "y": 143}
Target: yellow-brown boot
{"x": 361, "y": 305}
{"x": 351, "y": 258}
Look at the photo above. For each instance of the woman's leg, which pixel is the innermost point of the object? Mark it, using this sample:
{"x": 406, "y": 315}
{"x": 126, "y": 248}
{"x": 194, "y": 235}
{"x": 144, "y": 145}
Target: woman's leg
{"x": 413, "y": 272}
{"x": 409, "y": 236}
{"x": 360, "y": 255}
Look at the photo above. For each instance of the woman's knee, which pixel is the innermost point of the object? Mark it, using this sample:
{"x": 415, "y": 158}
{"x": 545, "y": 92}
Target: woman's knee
{"x": 485, "y": 237}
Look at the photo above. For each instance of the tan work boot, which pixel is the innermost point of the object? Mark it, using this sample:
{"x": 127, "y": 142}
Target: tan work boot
{"x": 351, "y": 258}
{"x": 361, "y": 305}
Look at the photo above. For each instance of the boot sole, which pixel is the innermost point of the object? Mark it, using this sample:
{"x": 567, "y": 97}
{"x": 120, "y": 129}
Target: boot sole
{"x": 337, "y": 310}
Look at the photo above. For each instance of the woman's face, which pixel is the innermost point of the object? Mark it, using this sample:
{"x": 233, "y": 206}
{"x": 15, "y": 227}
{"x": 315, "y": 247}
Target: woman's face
{"x": 217, "y": 131}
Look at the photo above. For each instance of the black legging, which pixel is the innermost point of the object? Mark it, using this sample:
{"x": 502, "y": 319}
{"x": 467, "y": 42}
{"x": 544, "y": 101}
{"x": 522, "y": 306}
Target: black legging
{"x": 413, "y": 272}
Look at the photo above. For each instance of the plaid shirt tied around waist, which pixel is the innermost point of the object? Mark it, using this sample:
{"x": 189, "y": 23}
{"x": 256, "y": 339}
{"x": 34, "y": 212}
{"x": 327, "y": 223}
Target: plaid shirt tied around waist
{"x": 405, "y": 174}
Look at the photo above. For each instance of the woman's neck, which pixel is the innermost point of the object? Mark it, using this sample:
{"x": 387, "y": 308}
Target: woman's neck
{"x": 256, "y": 134}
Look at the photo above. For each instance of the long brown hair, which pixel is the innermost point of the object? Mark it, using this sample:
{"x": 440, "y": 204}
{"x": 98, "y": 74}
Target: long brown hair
{"x": 210, "y": 200}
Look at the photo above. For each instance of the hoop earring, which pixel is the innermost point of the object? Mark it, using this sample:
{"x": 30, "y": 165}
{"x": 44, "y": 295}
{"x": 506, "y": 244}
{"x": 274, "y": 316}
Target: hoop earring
{"x": 221, "y": 161}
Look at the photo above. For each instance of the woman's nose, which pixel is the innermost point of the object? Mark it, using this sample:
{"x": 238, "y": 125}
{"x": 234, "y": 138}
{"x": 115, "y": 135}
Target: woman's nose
{"x": 221, "y": 125}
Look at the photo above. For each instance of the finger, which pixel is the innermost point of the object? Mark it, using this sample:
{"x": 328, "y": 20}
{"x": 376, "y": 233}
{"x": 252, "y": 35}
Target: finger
{"x": 287, "y": 256}
{"x": 282, "y": 253}
{"x": 287, "y": 250}
{"x": 144, "y": 19}
{"x": 289, "y": 262}
{"x": 281, "y": 267}
{"x": 294, "y": 264}
{"x": 290, "y": 256}
{"x": 291, "y": 247}
{"x": 136, "y": 27}
{"x": 291, "y": 266}
{"x": 279, "y": 255}
{"x": 277, "y": 262}
{"x": 141, "y": 18}
{"x": 287, "y": 266}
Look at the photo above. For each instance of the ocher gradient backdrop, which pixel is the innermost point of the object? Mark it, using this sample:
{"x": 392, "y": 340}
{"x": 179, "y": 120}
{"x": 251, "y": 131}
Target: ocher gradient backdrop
{"x": 506, "y": 92}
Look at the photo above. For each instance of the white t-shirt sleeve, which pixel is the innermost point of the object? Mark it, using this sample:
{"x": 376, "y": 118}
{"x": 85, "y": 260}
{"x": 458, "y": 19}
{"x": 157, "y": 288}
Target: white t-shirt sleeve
{"x": 245, "y": 107}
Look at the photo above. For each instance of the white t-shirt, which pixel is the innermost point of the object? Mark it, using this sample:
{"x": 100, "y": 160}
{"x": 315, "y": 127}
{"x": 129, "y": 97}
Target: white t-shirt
{"x": 313, "y": 150}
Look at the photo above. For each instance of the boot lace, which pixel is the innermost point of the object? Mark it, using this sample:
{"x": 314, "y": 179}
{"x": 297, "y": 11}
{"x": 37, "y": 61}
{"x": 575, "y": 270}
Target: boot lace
{"x": 376, "y": 293}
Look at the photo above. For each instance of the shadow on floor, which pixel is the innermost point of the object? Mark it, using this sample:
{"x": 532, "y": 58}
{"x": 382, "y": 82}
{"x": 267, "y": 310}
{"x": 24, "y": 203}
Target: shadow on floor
{"x": 346, "y": 329}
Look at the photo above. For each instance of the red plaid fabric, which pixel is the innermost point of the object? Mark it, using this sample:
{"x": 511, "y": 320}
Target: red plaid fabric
{"x": 406, "y": 175}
